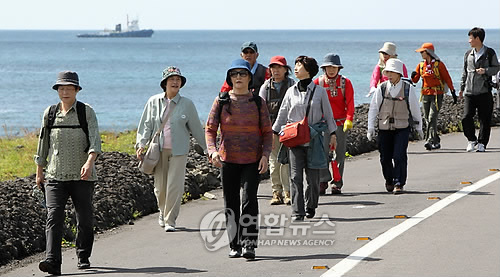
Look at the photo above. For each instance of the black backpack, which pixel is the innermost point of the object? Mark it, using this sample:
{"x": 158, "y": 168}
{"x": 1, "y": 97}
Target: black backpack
{"x": 82, "y": 120}
{"x": 225, "y": 99}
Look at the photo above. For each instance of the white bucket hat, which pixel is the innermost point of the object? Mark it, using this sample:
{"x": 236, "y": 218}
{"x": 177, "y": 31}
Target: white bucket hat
{"x": 394, "y": 65}
{"x": 389, "y": 48}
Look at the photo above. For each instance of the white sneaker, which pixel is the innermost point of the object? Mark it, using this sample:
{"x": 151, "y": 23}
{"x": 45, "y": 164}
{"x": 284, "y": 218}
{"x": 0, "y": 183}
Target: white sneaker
{"x": 471, "y": 146}
{"x": 169, "y": 228}
{"x": 161, "y": 220}
{"x": 480, "y": 147}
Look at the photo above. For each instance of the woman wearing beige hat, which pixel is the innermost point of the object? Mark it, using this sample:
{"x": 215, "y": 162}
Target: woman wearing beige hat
{"x": 393, "y": 104}
{"x": 388, "y": 51}
{"x": 182, "y": 120}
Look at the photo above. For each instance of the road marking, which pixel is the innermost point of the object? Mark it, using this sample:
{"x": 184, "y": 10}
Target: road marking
{"x": 357, "y": 256}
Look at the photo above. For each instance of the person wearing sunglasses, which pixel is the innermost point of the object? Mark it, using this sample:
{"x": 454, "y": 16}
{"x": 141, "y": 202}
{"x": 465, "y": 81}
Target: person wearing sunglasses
{"x": 242, "y": 153}
{"x": 260, "y": 73}
{"x": 388, "y": 51}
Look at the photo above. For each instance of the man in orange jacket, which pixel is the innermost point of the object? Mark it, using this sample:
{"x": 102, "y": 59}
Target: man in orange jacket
{"x": 435, "y": 78}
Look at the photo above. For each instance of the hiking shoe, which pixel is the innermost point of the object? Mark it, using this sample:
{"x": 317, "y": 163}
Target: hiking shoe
{"x": 277, "y": 198}
{"x": 249, "y": 252}
{"x": 428, "y": 146}
{"x": 161, "y": 220}
{"x": 336, "y": 190}
{"x": 471, "y": 146}
{"x": 389, "y": 186}
{"x": 235, "y": 253}
{"x": 480, "y": 147}
{"x": 50, "y": 267}
{"x": 398, "y": 189}
{"x": 83, "y": 263}
{"x": 169, "y": 228}
{"x": 322, "y": 188}
{"x": 310, "y": 212}
{"x": 287, "y": 200}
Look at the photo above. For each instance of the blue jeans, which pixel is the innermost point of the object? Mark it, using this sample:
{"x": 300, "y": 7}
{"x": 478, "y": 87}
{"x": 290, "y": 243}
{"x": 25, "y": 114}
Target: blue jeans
{"x": 393, "y": 145}
{"x": 57, "y": 194}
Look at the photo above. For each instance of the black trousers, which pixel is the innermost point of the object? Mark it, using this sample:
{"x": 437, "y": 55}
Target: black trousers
{"x": 483, "y": 103}
{"x": 393, "y": 145}
{"x": 57, "y": 194}
{"x": 242, "y": 226}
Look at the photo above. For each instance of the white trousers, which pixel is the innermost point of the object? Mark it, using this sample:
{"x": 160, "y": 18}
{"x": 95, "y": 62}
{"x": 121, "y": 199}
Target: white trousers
{"x": 169, "y": 184}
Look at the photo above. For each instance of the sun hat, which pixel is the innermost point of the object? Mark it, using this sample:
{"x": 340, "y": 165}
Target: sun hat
{"x": 279, "y": 60}
{"x": 169, "y": 72}
{"x": 429, "y": 48}
{"x": 65, "y": 78}
{"x": 394, "y": 65}
{"x": 389, "y": 48}
{"x": 249, "y": 44}
{"x": 239, "y": 64}
{"x": 331, "y": 59}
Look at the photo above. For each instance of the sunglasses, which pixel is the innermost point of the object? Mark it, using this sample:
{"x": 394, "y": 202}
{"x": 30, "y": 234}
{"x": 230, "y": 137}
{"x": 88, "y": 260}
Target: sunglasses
{"x": 242, "y": 73}
{"x": 248, "y": 51}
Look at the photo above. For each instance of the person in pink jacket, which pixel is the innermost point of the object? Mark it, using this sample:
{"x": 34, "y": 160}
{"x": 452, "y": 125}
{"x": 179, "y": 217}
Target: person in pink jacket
{"x": 386, "y": 52}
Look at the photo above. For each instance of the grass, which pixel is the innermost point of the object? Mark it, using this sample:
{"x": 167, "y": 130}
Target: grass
{"x": 16, "y": 153}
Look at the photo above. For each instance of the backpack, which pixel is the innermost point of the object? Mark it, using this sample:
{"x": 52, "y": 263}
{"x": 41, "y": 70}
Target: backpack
{"x": 436, "y": 73}
{"x": 342, "y": 85}
{"x": 225, "y": 99}
{"x": 411, "y": 122}
{"x": 82, "y": 120}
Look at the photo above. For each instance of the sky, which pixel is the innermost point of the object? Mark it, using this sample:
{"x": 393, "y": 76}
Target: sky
{"x": 249, "y": 14}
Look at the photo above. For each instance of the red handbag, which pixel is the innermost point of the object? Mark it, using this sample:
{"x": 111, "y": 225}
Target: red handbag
{"x": 297, "y": 133}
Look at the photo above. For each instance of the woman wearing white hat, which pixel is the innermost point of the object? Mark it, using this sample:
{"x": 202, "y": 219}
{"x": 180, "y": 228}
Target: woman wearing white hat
{"x": 388, "y": 51}
{"x": 396, "y": 106}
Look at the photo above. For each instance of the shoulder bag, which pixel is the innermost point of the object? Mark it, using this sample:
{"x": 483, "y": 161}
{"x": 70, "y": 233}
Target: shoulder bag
{"x": 297, "y": 133}
{"x": 153, "y": 154}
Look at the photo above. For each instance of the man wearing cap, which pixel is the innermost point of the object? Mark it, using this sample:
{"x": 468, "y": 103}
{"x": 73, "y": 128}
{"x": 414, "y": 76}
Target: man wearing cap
{"x": 341, "y": 96}
{"x": 69, "y": 171}
{"x": 174, "y": 118}
{"x": 392, "y": 104}
{"x": 250, "y": 53}
{"x": 273, "y": 90}
{"x": 435, "y": 78}
{"x": 480, "y": 64}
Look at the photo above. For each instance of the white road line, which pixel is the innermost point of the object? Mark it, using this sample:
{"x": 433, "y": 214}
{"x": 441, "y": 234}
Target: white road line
{"x": 352, "y": 260}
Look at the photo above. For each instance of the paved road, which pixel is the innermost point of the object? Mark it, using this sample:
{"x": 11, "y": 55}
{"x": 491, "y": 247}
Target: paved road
{"x": 461, "y": 239}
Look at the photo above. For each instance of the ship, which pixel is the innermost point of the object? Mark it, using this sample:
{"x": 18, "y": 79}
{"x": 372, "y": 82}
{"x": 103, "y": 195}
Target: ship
{"x": 132, "y": 31}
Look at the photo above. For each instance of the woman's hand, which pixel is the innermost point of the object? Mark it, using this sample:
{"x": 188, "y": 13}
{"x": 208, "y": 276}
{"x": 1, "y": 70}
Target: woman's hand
{"x": 86, "y": 170}
{"x": 215, "y": 159}
{"x": 333, "y": 141}
{"x": 139, "y": 152}
{"x": 263, "y": 165}
{"x": 40, "y": 178}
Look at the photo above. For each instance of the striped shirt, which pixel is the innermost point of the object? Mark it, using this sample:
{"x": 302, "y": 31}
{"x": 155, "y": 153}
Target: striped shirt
{"x": 241, "y": 141}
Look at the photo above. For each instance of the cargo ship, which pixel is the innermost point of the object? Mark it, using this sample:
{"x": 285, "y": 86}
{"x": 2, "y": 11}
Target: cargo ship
{"x": 132, "y": 31}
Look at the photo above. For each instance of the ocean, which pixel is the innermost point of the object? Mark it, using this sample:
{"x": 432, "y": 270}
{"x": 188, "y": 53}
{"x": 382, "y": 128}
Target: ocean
{"x": 118, "y": 75}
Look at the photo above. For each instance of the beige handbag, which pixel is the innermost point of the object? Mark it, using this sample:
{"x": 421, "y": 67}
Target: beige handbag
{"x": 153, "y": 154}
